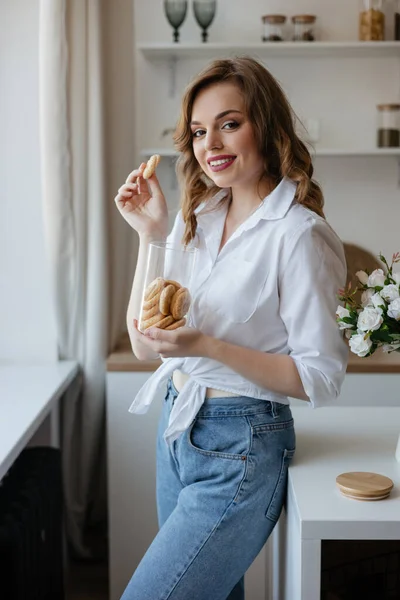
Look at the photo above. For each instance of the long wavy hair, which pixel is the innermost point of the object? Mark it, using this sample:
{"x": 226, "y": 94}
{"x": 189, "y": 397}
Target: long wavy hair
{"x": 272, "y": 117}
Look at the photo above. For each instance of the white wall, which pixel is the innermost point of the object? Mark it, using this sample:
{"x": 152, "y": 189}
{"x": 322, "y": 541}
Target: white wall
{"x": 27, "y": 329}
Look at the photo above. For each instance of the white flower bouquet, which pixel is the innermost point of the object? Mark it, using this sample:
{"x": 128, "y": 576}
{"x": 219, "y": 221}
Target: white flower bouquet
{"x": 375, "y": 321}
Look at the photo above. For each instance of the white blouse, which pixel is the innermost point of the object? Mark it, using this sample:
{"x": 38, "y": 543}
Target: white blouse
{"x": 273, "y": 287}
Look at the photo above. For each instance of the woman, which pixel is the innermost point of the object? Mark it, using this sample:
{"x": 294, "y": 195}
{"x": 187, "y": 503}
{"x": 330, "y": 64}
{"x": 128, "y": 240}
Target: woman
{"x": 262, "y": 329}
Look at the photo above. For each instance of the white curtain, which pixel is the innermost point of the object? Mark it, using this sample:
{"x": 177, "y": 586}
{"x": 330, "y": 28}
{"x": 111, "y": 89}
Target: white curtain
{"x": 75, "y": 208}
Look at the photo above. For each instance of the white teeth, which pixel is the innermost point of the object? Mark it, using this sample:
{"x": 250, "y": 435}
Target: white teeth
{"x": 216, "y": 163}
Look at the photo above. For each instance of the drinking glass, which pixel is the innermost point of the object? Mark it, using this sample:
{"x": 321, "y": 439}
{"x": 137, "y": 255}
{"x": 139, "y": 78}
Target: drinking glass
{"x": 204, "y": 12}
{"x": 175, "y": 11}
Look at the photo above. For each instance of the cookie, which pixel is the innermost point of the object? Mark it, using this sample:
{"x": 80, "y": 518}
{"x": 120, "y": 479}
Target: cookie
{"x": 154, "y": 288}
{"x": 180, "y": 303}
{"x": 172, "y": 282}
{"x": 151, "y": 322}
{"x": 151, "y": 166}
{"x": 165, "y": 299}
{"x": 166, "y": 322}
{"x": 176, "y": 324}
{"x": 148, "y": 304}
{"x": 150, "y": 312}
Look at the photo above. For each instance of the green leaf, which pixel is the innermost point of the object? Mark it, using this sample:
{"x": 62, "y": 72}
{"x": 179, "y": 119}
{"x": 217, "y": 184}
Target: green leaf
{"x": 381, "y": 336}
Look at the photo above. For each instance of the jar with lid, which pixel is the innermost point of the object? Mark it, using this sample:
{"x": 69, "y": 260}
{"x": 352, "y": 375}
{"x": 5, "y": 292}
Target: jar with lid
{"x": 372, "y": 21}
{"x": 388, "y": 125}
{"x": 304, "y": 28}
{"x": 273, "y": 28}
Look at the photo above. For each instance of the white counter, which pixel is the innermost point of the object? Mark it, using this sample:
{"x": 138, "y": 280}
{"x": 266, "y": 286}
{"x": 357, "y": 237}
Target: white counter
{"x": 331, "y": 441}
{"x": 27, "y": 395}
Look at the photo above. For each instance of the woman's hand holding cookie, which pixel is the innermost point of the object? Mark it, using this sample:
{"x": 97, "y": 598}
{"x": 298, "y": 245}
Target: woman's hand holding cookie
{"x": 142, "y": 204}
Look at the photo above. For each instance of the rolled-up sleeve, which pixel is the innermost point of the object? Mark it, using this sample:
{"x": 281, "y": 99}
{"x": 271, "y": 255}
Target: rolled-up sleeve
{"x": 312, "y": 271}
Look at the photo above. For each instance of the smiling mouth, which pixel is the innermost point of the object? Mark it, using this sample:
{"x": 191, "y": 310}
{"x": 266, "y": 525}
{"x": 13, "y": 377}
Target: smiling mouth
{"x": 221, "y": 163}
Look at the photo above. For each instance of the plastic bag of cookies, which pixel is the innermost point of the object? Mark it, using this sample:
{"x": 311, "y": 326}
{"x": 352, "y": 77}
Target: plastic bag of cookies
{"x": 166, "y": 295}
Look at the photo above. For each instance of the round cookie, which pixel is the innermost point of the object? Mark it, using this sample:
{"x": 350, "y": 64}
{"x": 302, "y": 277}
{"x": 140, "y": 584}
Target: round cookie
{"x": 165, "y": 322}
{"x": 150, "y": 312}
{"x": 148, "y": 304}
{"x": 172, "y": 282}
{"x": 176, "y": 324}
{"x": 151, "y": 166}
{"x": 154, "y": 288}
{"x": 153, "y": 321}
{"x": 180, "y": 303}
{"x": 165, "y": 299}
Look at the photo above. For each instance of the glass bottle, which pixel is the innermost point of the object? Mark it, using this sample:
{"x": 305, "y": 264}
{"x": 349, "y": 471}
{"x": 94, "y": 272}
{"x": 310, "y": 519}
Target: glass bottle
{"x": 304, "y": 28}
{"x": 372, "y": 21}
{"x": 273, "y": 28}
{"x": 388, "y": 125}
{"x": 397, "y": 20}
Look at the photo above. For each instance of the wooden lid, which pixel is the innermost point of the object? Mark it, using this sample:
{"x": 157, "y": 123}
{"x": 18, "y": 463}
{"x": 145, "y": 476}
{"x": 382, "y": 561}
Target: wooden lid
{"x": 304, "y": 19}
{"x": 362, "y": 485}
{"x": 274, "y": 19}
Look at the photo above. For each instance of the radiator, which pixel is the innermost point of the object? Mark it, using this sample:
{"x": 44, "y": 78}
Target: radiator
{"x": 31, "y": 534}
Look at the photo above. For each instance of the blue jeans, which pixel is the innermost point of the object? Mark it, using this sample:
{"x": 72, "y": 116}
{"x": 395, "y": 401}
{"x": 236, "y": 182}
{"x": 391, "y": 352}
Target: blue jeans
{"x": 220, "y": 491}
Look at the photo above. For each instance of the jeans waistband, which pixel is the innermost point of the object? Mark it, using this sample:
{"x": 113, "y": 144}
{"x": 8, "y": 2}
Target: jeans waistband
{"x": 234, "y": 405}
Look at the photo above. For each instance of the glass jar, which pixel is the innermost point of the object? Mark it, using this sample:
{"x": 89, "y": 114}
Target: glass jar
{"x": 166, "y": 297}
{"x": 372, "y": 21}
{"x": 397, "y": 20}
{"x": 273, "y": 28}
{"x": 388, "y": 125}
{"x": 304, "y": 28}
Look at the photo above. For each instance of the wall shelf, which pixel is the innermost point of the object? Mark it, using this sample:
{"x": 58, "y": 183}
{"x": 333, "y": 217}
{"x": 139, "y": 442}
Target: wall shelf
{"x": 166, "y": 51}
{"x": 170, "y": 152}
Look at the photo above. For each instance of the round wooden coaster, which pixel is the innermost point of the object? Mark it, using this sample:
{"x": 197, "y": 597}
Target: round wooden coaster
{"x": 364, "y": 485}
{"x": 365, "y": 498}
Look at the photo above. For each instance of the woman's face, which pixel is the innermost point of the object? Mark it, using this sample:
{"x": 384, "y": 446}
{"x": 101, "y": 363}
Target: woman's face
{"x": 223, "y": 137}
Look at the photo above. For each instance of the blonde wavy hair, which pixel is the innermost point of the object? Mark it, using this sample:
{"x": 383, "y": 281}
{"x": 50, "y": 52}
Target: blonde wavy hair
{"x": 272, "y": 117}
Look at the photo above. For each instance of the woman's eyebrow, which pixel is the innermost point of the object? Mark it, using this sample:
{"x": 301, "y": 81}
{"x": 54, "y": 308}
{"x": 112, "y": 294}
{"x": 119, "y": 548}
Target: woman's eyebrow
{"x": 220, "y": 115}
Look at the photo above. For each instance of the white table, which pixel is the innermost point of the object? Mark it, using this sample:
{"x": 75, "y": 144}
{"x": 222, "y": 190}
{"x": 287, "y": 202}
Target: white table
{"x": 27, "y": 395}
{"x": 331, "y": 441}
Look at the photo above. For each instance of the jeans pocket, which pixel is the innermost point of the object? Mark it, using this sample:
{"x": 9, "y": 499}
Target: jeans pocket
{"x": 222, "y": 437}
{"x": 279, "y": 494}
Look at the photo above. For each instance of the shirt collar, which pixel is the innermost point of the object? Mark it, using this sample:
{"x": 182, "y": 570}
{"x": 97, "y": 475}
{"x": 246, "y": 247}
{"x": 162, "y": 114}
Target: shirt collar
{"x": 273, "y": 207}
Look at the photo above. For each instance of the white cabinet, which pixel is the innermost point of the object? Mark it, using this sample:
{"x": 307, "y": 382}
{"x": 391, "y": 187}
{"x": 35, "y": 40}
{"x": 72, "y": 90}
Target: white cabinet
{"x": 131, "y": 443}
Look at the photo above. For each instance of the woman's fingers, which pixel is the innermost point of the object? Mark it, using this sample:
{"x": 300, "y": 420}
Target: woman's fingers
{"x": 128, "y": 189}
{"x": 135, "y": 174}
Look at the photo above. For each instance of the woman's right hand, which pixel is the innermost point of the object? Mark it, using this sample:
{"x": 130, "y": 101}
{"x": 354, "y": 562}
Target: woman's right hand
{"x": 142, "y": 204}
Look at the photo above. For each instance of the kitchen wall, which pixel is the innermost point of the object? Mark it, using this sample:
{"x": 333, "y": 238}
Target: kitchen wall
{"x": 362, "y": 193}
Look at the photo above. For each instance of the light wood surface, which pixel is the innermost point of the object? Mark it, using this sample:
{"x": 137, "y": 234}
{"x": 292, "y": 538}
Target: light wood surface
{"x": 123, "y": 359}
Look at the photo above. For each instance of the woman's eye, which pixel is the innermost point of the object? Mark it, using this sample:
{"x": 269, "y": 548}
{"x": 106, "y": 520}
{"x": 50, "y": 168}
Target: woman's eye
{"x": 230, "y": 125}
{"x": 198, "y": 133}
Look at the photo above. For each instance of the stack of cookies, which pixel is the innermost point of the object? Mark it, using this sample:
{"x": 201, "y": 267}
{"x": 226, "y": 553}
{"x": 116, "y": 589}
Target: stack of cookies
{"x": 165, "y": 304}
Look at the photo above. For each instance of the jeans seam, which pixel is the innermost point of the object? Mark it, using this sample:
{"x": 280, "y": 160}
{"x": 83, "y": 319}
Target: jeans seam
{"x": 235, "y": 500}
{"x": 199, "y": 550}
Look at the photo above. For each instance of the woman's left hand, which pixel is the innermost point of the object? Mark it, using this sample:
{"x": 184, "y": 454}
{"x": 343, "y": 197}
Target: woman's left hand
{"x": 182, "y": 342}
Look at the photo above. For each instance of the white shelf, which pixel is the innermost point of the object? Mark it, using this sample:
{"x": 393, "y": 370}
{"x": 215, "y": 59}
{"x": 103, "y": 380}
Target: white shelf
{"x": 170, "y": 152}
{"x": 271, "y": 49}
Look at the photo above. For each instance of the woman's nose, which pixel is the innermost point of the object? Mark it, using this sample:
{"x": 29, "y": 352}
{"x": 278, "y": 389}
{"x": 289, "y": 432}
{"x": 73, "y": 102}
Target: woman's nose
{"x": 212, "y": 141}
